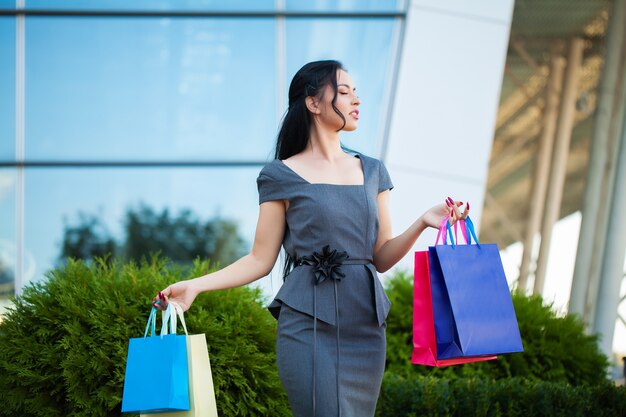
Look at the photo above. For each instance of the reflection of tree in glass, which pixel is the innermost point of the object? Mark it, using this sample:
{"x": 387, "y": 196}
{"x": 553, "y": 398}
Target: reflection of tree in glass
{"x": 88, "y": 239}
{"x": 6, "y": 280}
{"x": 181, "y": 238}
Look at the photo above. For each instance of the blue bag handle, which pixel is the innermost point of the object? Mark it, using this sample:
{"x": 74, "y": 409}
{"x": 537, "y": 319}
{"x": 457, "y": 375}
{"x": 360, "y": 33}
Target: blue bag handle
{"x": 469, "y": 225}
{"x": 450, "y": 233}
{"x": 151, "y": 323}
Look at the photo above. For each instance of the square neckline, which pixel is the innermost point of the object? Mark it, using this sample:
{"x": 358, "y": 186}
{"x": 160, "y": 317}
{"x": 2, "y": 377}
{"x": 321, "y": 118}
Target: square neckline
{"x": 326, "y": 183}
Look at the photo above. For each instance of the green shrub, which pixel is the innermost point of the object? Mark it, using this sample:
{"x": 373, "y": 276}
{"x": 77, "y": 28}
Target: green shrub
{"x": 555, "y": 348}
{"x": 512, "y": 397}
{"x": 63, "y": 345}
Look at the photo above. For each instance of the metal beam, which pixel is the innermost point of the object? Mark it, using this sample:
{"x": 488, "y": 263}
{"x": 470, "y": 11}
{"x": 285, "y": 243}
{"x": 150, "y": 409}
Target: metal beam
{"x": 616, "y": 125}
{"x": 514, "y": 146}
{"x": 583, "y": 283}
{"x": 531, "y": 90}
{"x": 505, "y": 221}
{"x": 542, "y": 167}
{"x": 559, "y": 162}
{"x": 20, "y": 126}
{"x": 20, "y": 163}
{"x": 200, "y": 13}
{"x": 613, "y": 259}
{"x": 520, "y": 49}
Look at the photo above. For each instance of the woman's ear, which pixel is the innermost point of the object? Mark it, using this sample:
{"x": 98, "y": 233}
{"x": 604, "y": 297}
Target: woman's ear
{"x": 312, "y": 103}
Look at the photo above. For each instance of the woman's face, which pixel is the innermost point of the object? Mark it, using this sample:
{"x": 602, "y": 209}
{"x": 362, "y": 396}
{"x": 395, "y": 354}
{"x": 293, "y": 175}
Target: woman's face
{"x": 347, "y": 103}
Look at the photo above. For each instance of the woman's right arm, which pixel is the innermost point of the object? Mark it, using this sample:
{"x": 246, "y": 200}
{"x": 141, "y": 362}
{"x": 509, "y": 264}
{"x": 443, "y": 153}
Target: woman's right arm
{"x": 258, "y": 263}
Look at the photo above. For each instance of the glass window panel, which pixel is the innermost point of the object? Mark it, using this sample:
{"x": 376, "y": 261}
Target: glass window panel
{"x": 150, "y": 89}
{"x": 56, "y": 196}
{"x": 7, "y": 4}
{"x": 354, "y": 42}
{"x": 7, "y": 88}
{"x": 7, "y": 235}
{"x": 153, "y": 5}
{"x": 345, "y": 5}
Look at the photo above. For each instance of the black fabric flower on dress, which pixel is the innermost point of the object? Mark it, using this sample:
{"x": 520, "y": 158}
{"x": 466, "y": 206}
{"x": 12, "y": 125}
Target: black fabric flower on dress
{"x": 326, "y": 265}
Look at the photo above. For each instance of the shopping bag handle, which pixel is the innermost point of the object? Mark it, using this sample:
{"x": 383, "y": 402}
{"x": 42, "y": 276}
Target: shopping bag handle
{"x": 151, "y": 323}
{"x": 444, "y": 230}
{"x": 168, "y": 318}
{"x": 467, "y": 230}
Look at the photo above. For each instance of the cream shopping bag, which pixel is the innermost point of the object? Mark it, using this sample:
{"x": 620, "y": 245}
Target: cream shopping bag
{"x": 201, "y": 393}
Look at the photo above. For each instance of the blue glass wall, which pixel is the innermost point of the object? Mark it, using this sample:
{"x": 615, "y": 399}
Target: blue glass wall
{"x": 172, "y": 112}
{"x": 7, "y": 88}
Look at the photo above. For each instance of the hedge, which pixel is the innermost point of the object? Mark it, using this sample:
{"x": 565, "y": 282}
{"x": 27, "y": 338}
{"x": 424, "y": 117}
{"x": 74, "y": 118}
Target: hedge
{"x": 511, "y": 397}
{"x": 556, "y": 348}
{"x": 63, "y": 350}
{"x": 63, "y": 344}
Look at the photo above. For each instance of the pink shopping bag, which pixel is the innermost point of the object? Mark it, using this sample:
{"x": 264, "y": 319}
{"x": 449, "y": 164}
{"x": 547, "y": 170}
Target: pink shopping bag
{"x": 424, "y": 338}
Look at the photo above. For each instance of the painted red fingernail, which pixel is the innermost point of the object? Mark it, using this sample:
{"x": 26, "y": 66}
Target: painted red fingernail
{"x": 447, "y": 203}
{"x": 468, "y": 205}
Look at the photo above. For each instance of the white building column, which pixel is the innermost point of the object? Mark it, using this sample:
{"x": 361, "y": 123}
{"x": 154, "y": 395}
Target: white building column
{"x": 445, "y": 107}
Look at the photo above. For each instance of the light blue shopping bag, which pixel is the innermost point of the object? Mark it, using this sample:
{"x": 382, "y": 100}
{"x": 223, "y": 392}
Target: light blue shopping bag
{"x": 157, "y": 374}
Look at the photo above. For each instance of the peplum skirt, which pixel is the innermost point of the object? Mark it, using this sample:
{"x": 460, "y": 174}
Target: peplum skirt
{"x": 335, "y": 370}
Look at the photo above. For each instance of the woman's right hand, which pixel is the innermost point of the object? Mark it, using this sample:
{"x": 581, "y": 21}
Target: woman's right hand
{"x": 182, "y": 293}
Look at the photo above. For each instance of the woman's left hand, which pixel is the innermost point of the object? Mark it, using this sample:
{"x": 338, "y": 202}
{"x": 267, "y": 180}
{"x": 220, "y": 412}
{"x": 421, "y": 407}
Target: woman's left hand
{"x": 435, "y": 215}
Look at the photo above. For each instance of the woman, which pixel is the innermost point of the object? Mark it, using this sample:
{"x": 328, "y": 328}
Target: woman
{"x": 330, "y": 211}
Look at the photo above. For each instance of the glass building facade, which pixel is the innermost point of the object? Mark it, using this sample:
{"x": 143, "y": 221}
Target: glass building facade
{"x": 106, "y": 106}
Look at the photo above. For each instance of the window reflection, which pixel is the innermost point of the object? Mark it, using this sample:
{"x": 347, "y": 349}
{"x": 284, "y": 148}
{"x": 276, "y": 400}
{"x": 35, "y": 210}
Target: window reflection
{"x": 365, "y": 47}
{"x": 110, "y": 194}
{"x": 215, "y": 5}
{"x": 7, "y": 235}
{"x": 150, "y": 89}
{"x": 153, "y": 5}
{"x": 171, "y": 90}
{"x": 7, "y": 88}
{"x": 346, "y": 5}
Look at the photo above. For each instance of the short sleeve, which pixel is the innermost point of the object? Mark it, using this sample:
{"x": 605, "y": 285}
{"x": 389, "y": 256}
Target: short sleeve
{"x": 269, "y": 187}
{"x": 384, "y": 180}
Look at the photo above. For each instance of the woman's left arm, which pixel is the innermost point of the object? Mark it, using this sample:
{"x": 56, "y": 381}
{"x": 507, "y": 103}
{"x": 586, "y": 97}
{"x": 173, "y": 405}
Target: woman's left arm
{"x": 389, "y": 250}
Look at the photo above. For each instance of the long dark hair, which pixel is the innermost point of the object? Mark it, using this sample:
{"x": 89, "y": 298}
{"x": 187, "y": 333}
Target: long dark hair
{"x": 309, "y": 81}
{"x": 294, "y": 132}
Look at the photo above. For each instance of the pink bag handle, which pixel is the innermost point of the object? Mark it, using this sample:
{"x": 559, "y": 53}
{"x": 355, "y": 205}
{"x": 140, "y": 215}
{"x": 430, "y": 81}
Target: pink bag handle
{"x": 463, "y": 231}
{"x": 443, "y": 230}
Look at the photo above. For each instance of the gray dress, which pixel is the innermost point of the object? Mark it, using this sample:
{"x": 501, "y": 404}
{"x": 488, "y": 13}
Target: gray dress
{"x": 331, "y": 366}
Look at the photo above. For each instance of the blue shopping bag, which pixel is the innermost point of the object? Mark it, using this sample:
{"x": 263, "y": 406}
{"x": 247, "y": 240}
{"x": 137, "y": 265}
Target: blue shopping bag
{"x": 157, "y": 374}
{"x": 472, "y": 305}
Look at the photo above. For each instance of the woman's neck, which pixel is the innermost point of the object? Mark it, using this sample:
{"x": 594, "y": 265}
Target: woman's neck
{"x": 324, "y": 144}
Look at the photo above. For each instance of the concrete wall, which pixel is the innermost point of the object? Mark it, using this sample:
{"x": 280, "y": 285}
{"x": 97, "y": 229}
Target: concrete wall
{"x": 445, "y": 106}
